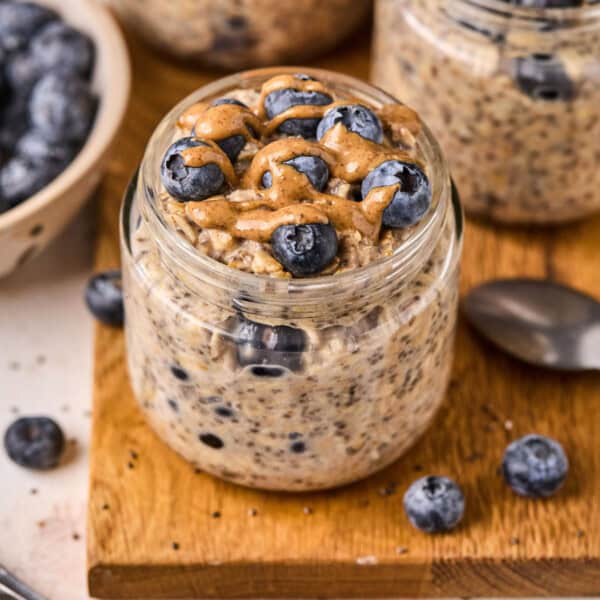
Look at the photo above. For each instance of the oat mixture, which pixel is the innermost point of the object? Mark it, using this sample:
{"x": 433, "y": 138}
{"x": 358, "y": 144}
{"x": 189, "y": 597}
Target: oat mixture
{"x": 514, "y": 103}
{"x": 309, "y": 397}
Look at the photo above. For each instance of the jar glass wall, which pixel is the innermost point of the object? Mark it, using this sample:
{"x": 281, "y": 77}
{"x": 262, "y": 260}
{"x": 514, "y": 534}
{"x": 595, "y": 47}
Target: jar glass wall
{"x": 513, "y": 95}
{"x": 352, "y": 367}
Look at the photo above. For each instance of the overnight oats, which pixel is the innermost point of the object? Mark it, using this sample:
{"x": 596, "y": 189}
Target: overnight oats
{"x": 512, "y": 92}
{"x": 290, "y": 257}
{"x": 237, "y": 34}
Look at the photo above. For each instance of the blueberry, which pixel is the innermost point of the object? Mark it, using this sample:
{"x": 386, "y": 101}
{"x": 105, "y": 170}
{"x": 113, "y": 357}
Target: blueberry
{"x": 35, "y": 442}
{"x": 189, "y": 183}
{"x": 281, "y": 100}
{"x": 22, "y": 72}
{"x": 313, "y": 167}
{"x": 37, "y": 149}
{"x": 261, "y": 345}
{"x": 57, "y": 45}
{"x": 220, "y": 101}
{"x": 19, "y": 21}
{"x": 410, "y": 202}
{"x": 535, "y": 466}
{"x": 104, "y": 298}
{"x": 354, "y": 117}
{"x": 434, "y": 504}
{"x": 542, "y": 77}
{"x": 62, "y": 108}
{"x": 305, "y": 249}
{"x": 13, "y": 121}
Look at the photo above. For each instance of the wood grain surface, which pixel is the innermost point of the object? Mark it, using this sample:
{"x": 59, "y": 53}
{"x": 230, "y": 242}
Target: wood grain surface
{"x": 157, "y": 529}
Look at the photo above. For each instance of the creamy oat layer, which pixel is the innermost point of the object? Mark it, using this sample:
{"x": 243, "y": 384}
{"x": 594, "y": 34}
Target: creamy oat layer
{"x": 516, "y": 110}
{"x": 239, "y": 34}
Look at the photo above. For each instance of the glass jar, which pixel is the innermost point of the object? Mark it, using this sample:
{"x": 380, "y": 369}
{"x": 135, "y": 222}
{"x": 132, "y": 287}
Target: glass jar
{"x": 513, "y": 95}
{"x": 236, "y": 34}
{"x": 342, "y": 373}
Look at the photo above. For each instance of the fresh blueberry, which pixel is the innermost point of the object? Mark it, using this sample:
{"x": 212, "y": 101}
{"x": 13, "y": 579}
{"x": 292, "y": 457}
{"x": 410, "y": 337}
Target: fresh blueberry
{"x": 34, "y": 442}
{"x": 542, "y": 77}
{"x": 57, "y": 45}
{"x": 305, "y": 249}
{"x": 104, "y": 298}
{"x": 62, "y": 108}
{"x": 269, "y": 346}
{"x": 354, "y": 117}
{"x": 37, "y": 149}
{"x": 535, "y": 466}
{"x": 281, "y": 100}
{"x": 313, "y": 167}
{"x": 189, "y": 183}
{"x": 19, "y": 21}
{"x": 410, "y": 202}
{"x": 13, "y": 122}
{"x": 21, "y": 178}
{"x": 22, "y": 72}
{"x": 220, "y": 101}
{"x": 434, "y": 504}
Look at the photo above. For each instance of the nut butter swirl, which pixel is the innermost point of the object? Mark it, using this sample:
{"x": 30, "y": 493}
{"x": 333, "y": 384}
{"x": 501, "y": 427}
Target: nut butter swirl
{"x": 256, "y": 212}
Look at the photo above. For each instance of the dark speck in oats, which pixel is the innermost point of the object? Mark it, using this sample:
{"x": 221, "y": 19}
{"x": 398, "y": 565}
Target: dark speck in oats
{"x": 294, "y": 435}
{"x": 298, "y": 447}
{"x": 179, "y": 373}
{"x": 224, "y": 411}
{"x": 216, "y": 515}
{"x": 211, "y": 440}
{"x": 173, "y": 404}
{"x": 267, "y": 371}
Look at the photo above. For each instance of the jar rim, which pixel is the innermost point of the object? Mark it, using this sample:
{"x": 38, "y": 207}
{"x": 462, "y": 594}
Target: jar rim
{"x": 207, "y": 268}
{"x": 501, "y": 8}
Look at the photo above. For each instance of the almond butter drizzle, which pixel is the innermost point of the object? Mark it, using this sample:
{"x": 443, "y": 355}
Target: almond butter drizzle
{"x": 291, "y": 199}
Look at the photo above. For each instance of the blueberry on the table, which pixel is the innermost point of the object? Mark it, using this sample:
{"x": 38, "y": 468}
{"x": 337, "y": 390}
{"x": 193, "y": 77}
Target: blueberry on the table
{"x": 281, "y": 100}
{"x": 62, "y": 107}
{"x": 19, "y": 21}
{"x": 411, "y": 201}
{"x": 269, "y": 346}
{"x": 313, "y": 167}
{"x": 189, "y": 183}
{"x": 354, "y": 117}
{"x": 33, "y": 146}
{"x": 57, "y": 45}
{"x": 104, "y": 298}
{"x": 220, "y": 101}
{"x": 35, "y": 442}
{"x": 434, "y": 504}
{"x": 542, "y": 77}
{"x": 535, "y": 466}
{"x": 305, "y": 249}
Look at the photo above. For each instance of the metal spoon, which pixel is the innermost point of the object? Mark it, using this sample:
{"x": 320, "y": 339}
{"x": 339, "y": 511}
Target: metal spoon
{"x": 540, "y": 322}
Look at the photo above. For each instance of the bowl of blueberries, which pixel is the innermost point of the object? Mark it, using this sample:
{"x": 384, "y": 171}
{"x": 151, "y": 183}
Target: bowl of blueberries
{"x": 64, "y": 88}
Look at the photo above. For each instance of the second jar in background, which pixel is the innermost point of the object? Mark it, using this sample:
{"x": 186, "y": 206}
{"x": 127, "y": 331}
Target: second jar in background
{"x": 513, "y": 95}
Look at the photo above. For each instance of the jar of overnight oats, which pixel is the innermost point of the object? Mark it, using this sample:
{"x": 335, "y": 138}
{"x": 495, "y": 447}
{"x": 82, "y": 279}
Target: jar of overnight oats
{"x": 290, "y": 255}
{"x": 511, "y": 90}
{"x": 236, "y": 34}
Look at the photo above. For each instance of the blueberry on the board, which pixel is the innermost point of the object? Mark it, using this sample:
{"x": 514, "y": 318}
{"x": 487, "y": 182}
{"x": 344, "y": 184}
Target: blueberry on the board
{"x": 58, "y": 45}
{"x": 354, "y": 117}
{"x": 104, "y": 298}
{"x": 62, "y": 107}
{"x": 313, "y": 167}
{"x": 434, "y": 504}
{"x": 35, "y": 442}
{"x": 189, "y": 183}
{"x": 269, "y": 346}
{"x": 281, "y": 100}
{"x": 542, "y": 77}
{"x": 37, "y": 149}
{"x": 535, "y": 466}
{"x": 305, "y": 250}
{"x": 411, "y": 201}
{"x": 220, "y": 101}
{"x": 19, "y": 21}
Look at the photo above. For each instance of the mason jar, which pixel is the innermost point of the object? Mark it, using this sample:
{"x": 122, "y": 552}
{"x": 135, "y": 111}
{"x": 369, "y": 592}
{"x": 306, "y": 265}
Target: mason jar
{"x": 236, "y": 34}
{"x": 345, "y": 371}
{"x": 513, "y": 95}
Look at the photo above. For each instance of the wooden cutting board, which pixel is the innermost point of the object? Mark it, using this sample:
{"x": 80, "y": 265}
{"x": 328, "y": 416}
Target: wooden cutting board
{"x": 157, "y": 529}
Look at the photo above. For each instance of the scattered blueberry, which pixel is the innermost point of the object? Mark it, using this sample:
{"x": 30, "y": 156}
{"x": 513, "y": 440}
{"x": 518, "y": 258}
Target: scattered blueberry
{"x": 34, "y": 442}
{"x": 305, "y": 249}
{"x": 57, "y": 45}
{"x": 220, "y": 101}
{"x": 19, "y": 21}
{"x": 410, "y": 202}
{"x": 268, "y": 347}
{"x": 355, "y": 118}
{"x": 281, "y": 100}
{"x": 189, "y": 183}
{"x": 211, "y": 440}
{"x": 542, "y": 77}
{"x": 535, "y": 466}
{"x": 313, "y": 167}
{"x": 104, "y": 298}
{"x": 434, "y": 504}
